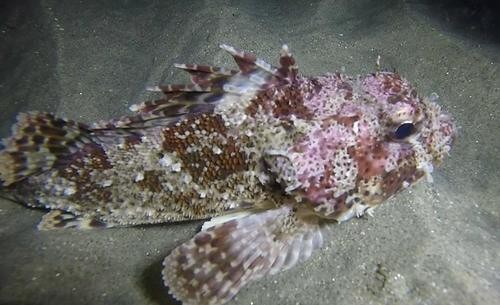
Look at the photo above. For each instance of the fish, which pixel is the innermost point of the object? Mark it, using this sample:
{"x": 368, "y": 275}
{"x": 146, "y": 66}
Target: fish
{"x": 267, "y": 156}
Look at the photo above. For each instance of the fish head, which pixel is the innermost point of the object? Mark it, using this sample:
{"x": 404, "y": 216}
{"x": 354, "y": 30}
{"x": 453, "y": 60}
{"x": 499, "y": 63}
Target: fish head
{"x": 369, "y": 138}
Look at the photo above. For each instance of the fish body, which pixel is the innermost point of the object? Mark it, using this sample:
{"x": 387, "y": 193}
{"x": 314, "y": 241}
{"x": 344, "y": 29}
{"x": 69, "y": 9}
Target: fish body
{"x": 272, "y": 155}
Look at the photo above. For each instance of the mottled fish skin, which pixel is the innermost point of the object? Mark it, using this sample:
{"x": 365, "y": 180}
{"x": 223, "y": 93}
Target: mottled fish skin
{"x": 272, "y": 155}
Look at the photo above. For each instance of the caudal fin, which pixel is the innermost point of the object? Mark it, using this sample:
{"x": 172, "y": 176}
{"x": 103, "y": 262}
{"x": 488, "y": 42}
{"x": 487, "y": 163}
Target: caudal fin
{"x": 213, "y": 266}
{"x": 39, "y": 141}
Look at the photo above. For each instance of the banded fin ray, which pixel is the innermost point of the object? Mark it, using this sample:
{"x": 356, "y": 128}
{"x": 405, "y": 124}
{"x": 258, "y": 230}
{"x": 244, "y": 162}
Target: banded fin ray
{"x": 179, "y": 101}
{"x": 210, "y": 86}
{"x": 213, "y": 266}
{"x": 288, "y": 68}
{"x": 205, "y": 75}
{"x": 248, "y": 63}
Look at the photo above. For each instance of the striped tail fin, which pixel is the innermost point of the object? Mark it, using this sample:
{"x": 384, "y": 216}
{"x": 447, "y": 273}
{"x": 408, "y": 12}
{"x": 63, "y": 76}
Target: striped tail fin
{"x": 39, "y": 141}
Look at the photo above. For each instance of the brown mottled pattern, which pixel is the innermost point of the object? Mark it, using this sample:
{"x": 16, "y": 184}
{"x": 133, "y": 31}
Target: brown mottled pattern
{"x": 392, "y": 83}
{"x": 207, "y": 123}
{"x": 151, "y": 181}
{"x": 282, "y": 102}
{"x": 79, "y": 171}
{"x": 208, "y": 162}
{"x": 399, "y": 90}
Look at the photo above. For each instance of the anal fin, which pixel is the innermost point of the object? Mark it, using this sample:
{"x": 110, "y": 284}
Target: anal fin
{"x": 57, "y": 219}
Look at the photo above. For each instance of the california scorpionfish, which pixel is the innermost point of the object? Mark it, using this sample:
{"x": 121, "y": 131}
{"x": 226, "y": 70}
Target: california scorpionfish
{"x": 271, "y": 155}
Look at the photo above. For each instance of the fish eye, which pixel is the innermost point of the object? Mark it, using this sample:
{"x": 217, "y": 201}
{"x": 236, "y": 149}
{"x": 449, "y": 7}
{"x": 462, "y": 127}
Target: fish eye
{"x": 404, "y": 130}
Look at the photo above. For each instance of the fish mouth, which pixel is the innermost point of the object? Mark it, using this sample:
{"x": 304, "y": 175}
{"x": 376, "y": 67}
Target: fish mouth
{"x": 438, "y": 133}
{"x": 446, "y": 137}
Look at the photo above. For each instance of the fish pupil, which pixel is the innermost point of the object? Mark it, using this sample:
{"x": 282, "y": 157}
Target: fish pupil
{"x": 404, "y": 130}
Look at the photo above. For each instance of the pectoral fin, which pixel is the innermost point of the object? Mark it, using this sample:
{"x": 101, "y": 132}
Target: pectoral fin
{"x": 213, "y": 266}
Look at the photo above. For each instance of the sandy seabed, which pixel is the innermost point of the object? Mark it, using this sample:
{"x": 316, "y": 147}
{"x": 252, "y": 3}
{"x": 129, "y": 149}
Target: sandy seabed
{"x": 434, "y": 244}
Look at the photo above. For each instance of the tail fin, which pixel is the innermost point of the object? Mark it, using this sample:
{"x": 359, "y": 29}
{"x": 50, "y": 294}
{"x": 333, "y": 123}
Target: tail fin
{"x": 39, "y": 141}
{"x": 213, "y": 266}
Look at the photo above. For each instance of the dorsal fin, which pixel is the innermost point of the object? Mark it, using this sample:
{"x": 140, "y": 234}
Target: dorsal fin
{"x": 246, "y": 61}
{"x": 210, "y": 85}
{"x": 288, "y": 68}
{"x": 205, "y": 75}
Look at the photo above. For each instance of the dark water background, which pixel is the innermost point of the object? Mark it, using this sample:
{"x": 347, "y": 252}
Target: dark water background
{"x": 89, "y": 60}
